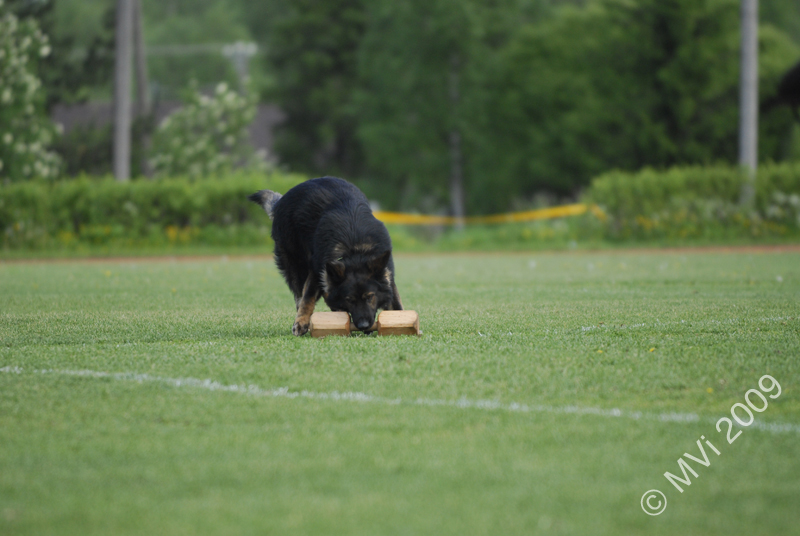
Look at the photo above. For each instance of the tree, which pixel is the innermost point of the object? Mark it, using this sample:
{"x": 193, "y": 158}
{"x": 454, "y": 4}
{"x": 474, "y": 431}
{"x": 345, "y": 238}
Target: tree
{"x": 79, "y": 59}
{"x": 312, "y": 58}
{"x": 185, "y": 40}
{"x": 782, "y": 14}
{"x": 426, "y": 68}
{"x": 624, "y": 84}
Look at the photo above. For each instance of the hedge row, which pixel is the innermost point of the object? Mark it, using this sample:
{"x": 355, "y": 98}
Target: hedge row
{"x": 686, "y": 202}
{"x": 38, "y": 215}
{"x": 648, "y": 191}
{"x": 673, "y": 205}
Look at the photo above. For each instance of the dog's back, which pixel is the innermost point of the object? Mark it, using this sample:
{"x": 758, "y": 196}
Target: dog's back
{"x": 320, "y": 221}
{"x": 299, "y": 214}
{"x": 330, "y": 215}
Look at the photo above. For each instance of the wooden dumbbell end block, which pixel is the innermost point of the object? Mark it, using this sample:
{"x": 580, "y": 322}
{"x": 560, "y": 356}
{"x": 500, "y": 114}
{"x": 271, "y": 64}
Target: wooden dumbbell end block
{"x": 398, "y": 323}
{"x": 329, "y": 323}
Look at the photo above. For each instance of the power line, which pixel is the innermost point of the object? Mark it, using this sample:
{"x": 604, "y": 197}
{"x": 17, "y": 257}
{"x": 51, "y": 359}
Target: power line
{"x": 200, "y": 48}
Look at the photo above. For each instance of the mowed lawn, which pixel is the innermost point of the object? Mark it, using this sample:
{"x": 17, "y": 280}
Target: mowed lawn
{"x": 547, "y": 394}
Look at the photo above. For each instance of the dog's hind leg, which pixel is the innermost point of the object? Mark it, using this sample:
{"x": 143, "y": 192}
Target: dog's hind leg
{"x": 305, "y": 306}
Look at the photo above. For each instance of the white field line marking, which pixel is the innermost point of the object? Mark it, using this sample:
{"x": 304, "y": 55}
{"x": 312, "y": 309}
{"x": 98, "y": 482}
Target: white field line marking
{"x": 350, "y": 396}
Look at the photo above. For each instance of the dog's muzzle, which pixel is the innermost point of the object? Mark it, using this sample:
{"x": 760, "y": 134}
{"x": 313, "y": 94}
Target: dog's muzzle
{"x": 363, "y": 324}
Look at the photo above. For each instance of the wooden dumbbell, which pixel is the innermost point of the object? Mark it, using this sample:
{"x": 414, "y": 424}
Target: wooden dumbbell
{"x": 389, "y": 323}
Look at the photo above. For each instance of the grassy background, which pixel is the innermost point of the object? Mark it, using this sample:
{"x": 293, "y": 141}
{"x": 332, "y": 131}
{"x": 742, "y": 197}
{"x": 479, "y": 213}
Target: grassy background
{"x": 656, "y": 332}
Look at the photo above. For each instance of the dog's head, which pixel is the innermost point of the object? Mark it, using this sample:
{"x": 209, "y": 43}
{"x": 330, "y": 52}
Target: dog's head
{"x": 359, "y": 286}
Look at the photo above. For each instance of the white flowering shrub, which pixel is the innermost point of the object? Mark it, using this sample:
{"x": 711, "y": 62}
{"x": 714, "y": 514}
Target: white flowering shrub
{"x": 25, "y": 130}
{"x": 207, "y": 137}
{"x": 784, "y": 208}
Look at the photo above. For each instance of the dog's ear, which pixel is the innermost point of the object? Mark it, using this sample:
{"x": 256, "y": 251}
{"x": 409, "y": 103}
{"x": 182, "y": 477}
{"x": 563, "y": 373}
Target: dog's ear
{"x": 335, "y": 270}
{"x": 378, "y": 265}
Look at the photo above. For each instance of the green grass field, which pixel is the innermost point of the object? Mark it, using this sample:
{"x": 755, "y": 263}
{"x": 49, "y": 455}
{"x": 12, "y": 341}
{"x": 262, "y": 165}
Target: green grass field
{"x": 547, "y": 394}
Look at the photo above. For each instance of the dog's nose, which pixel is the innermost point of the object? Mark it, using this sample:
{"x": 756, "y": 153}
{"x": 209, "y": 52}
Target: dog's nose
{"x": 363, "y": 324}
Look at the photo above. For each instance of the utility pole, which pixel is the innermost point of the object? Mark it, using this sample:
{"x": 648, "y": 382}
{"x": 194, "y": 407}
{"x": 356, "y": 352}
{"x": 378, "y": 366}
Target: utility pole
{"x": 142, "y": 85}
{"x": 456, "y": 158}
{"x": 142, "y": 89}
{"x": 748, "y": 103}
{"x": 240, "y": 53}
{"x": 122, "y": 90}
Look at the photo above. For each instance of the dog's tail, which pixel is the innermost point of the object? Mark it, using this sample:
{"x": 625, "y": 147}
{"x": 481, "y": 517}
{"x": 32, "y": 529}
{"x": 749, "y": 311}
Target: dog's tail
{"x": 267, "y": 200}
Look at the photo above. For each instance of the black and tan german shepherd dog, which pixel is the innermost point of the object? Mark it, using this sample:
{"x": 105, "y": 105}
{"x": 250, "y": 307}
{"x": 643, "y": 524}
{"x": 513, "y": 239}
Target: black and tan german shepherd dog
{"x": 328, "y": 244}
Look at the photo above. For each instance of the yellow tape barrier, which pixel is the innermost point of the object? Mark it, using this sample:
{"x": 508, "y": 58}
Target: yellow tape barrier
{"x": 577, "y": 209}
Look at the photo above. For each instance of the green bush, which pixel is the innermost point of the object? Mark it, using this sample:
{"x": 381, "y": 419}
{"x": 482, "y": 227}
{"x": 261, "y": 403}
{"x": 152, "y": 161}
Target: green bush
{"x": 87, "y": 149}
{"x": 74, "y": 213}
{"x": 687, "y": 202}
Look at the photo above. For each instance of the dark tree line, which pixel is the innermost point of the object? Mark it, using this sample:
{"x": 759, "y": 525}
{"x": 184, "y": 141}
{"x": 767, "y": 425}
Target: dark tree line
{"x": 511, "y": 97}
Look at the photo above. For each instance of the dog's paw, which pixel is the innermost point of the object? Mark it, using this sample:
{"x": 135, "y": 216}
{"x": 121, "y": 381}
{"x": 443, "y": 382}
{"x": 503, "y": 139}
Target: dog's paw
{"x": 300, "y": 326}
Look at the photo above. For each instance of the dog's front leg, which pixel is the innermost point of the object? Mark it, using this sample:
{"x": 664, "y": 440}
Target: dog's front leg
{"x": 305, "y": 306}
{"x": 397, "y": 305}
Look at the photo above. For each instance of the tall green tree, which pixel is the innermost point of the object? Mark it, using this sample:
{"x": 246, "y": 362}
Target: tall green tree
{"x": 312, "y": 50}
{"x": 782, "y": 14}
{"x": 426, "y": 68}
{"x": 185, "y": 37}
{"x": 82, "y": 53}
{"x": 627, "y": 84}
